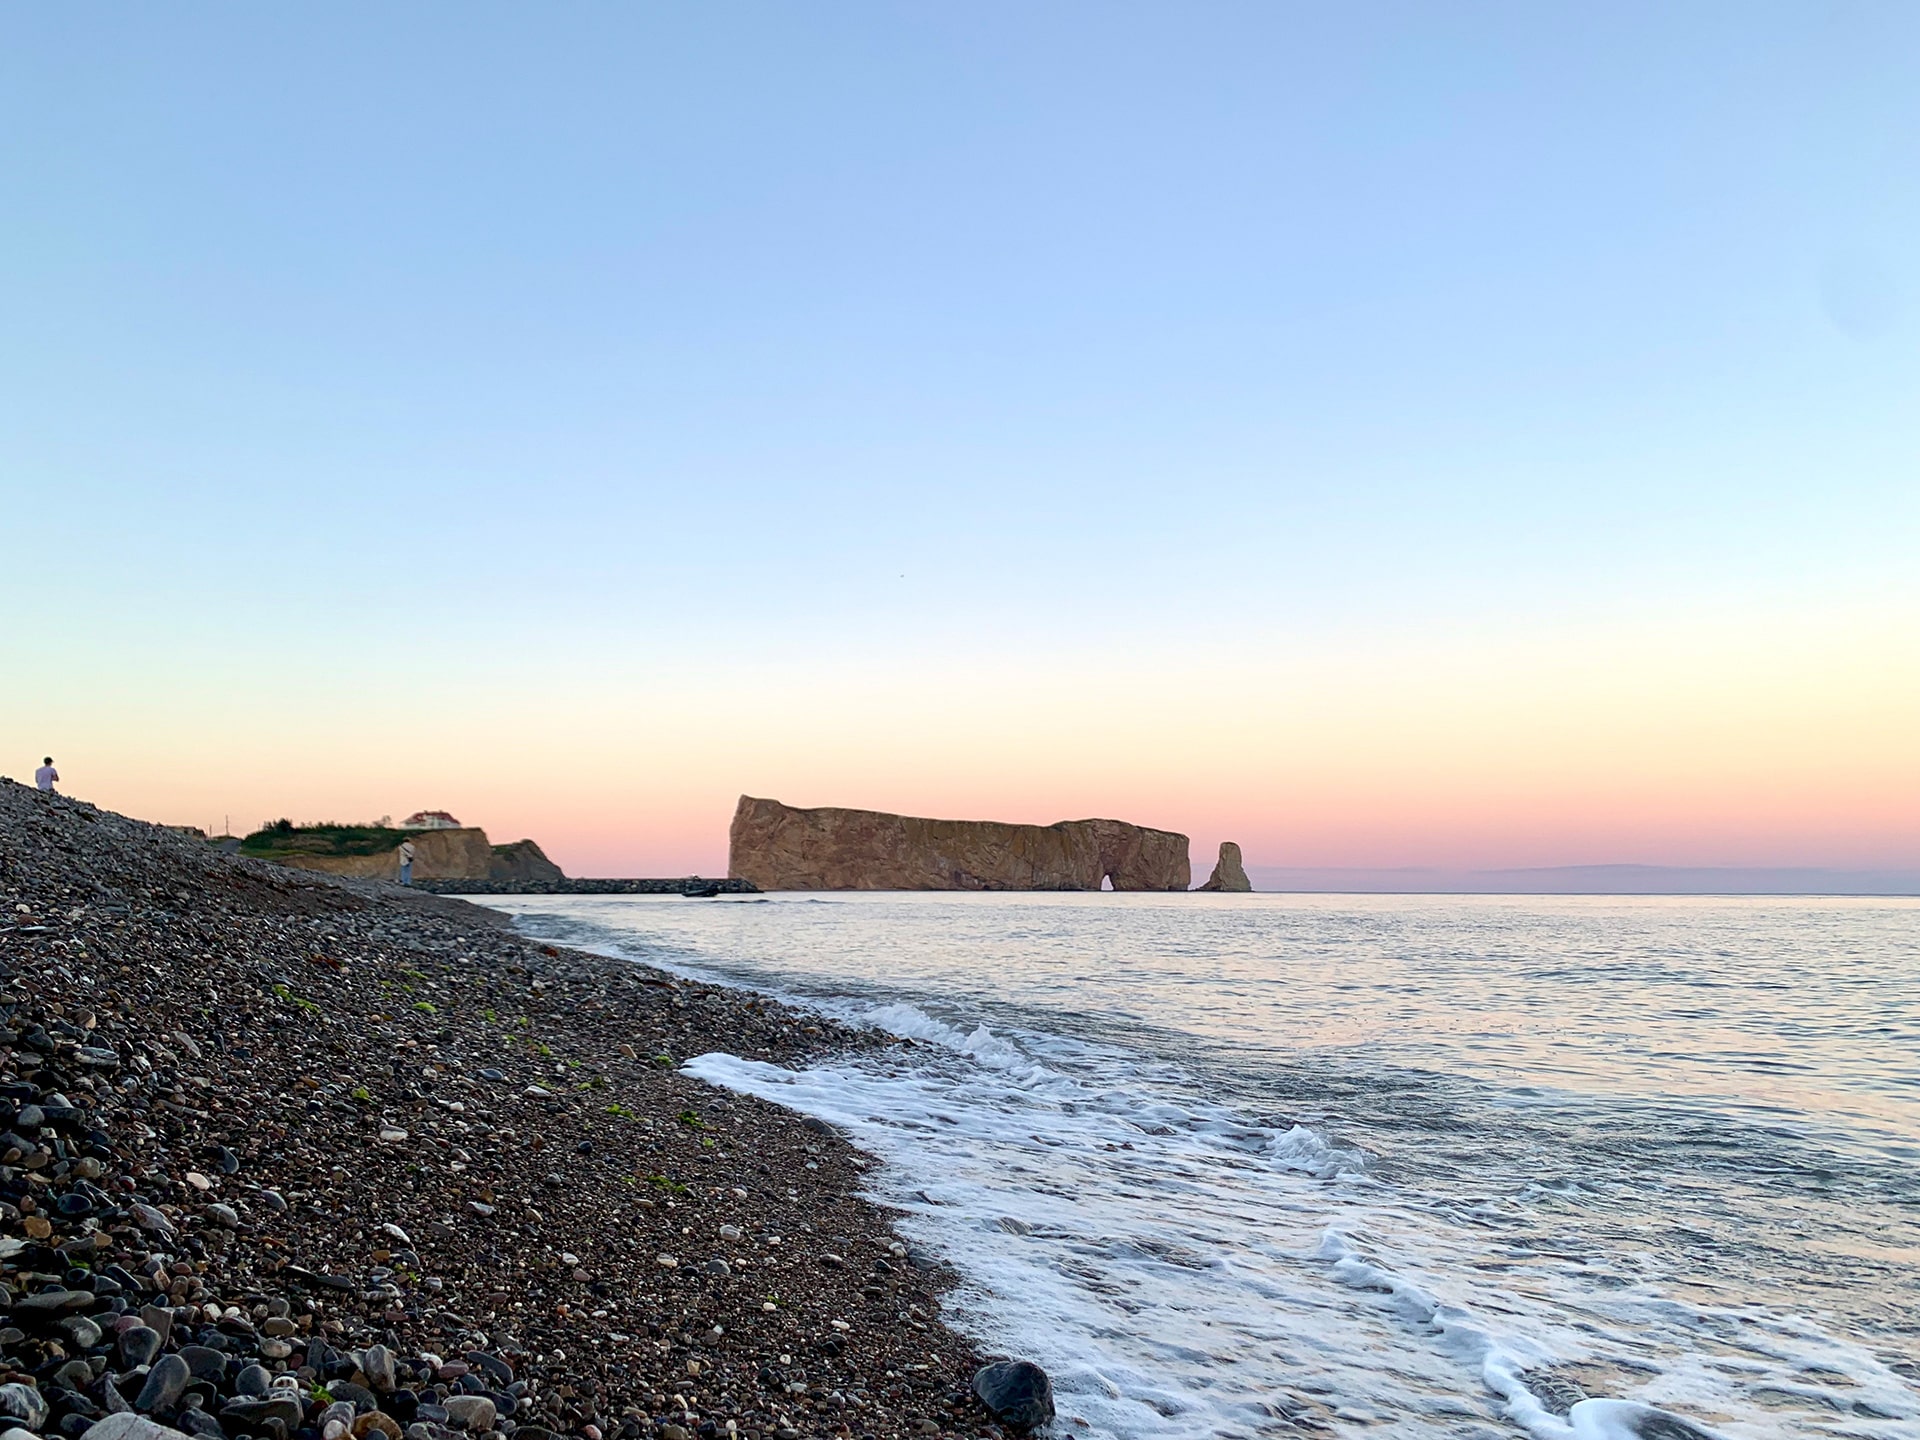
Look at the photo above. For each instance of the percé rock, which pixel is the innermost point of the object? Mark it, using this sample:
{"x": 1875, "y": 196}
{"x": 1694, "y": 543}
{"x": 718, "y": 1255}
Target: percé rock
{"x": 1229, "y": 873}
{"x": 523, "y": 860}
{"x": 779, "y": 847}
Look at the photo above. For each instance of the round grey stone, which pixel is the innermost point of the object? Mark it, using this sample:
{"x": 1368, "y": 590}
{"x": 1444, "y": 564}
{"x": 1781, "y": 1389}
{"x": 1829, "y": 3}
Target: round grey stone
{"x": 166, "y": 1383}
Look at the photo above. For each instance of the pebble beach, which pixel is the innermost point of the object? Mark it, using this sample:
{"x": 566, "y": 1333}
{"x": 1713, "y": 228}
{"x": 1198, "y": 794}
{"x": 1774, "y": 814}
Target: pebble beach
{"x": 307, "y": 1159}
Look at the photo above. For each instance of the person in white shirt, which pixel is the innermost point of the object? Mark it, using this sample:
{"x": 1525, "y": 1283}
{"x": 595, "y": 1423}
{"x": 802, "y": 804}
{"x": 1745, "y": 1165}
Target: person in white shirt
{"x": 46, "y": 775}
{"x": 406, "y": 862}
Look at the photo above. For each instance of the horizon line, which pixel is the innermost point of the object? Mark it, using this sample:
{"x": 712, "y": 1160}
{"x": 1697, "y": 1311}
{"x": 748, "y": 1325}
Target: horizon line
{"x": 1602, "y": 879}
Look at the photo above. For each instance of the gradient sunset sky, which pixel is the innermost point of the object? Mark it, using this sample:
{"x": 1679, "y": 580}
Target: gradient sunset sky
{"x": 1394, "y": 434}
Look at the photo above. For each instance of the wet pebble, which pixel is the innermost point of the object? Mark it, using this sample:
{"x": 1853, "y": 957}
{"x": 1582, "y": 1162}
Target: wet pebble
{"x": 166, "y": 1382}
{"x": 138, "y": 1345}
{"x": 24, "y": 1404}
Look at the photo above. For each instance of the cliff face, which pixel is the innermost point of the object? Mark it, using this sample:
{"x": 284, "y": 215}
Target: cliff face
{"x": 522, "y": 860}
{"x": 1229, "y": 874}
{"x": 779, "y": 847}
{"x": 437, "y": 855}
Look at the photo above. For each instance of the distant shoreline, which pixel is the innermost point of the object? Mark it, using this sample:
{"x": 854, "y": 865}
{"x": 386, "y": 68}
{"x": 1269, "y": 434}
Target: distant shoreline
{"x": 1617, "y": 880}
{"x": 587, "y": 885}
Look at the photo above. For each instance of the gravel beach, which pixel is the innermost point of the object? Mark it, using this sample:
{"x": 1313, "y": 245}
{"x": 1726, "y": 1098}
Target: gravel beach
{"x": 307, "y": 1159}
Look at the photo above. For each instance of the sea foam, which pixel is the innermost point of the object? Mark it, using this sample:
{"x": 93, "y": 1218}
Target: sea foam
{"x": 1186, "y": 1263}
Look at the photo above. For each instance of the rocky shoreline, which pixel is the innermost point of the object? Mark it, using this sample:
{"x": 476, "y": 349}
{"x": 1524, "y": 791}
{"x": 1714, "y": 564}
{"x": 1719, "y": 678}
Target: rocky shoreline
{"x": 307, "y": 1159}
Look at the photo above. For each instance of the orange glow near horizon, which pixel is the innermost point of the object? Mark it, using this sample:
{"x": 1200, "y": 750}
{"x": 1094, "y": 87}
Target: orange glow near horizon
{"x": 1725, "y": 745}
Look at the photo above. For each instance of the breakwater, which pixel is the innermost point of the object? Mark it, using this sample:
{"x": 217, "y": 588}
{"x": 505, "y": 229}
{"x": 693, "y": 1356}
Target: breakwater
{"x": 687, "y": 885}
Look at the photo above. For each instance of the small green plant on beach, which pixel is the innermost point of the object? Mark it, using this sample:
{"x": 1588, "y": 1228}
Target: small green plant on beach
{"x": 666, "y": 1182}
{"x": 427, "y": 1005}
{"x": 622, "y": 1111}
{"x": 285, "y": 994}
{"x": 691, "y": 1120}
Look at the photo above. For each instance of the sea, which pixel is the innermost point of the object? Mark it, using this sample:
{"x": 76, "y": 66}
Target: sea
{"x": 1409, "y": 1166}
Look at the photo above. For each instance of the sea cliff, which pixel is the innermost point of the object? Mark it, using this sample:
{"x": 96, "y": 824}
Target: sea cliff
{"x": 372, "y": 852}
{"x": 781, "y": 847}
{"x": 437, "y": 855}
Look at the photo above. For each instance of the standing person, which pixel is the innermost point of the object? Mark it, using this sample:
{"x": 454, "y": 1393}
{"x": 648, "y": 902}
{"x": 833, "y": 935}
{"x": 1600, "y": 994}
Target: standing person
{"x": 406, "y": 862}
{"x": 46, "y": 775}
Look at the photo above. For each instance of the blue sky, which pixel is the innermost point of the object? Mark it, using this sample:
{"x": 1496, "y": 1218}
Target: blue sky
{"x": 997, "y": 332}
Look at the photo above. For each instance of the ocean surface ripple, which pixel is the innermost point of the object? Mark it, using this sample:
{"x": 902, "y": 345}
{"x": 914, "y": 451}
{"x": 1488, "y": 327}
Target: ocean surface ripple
{"x": 1427, "y": 1166}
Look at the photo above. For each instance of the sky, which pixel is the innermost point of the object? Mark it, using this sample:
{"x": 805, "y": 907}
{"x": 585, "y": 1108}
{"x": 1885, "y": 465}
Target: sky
{"x": 1383, "y": 435}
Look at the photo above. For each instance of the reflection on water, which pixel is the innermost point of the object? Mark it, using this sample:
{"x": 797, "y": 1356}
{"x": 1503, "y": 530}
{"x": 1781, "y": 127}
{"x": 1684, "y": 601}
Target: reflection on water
{"x": 1659, "y": 1147}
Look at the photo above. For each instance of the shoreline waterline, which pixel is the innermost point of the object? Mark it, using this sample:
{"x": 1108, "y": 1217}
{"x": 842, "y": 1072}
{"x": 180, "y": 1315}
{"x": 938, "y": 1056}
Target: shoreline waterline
{"x": 1406, "y": 1261}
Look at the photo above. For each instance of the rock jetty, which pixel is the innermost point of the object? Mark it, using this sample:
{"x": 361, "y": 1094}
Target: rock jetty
{"x": 301, "y": 1158}
{"x": 779, "y": 847}
{"x": 691, "y": 885}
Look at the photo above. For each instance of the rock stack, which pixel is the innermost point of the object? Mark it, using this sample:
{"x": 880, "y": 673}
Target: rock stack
{"x": 1229, "y": 874}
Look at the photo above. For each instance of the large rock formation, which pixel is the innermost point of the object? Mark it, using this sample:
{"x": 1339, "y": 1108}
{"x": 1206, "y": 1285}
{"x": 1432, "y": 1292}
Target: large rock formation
{"x": 521, "y": 861}
{"x": 369, "y": 852}
{"x": 437, "y": 855}
{"x": 778, "y": 847}
{"x": 1229, "y": 873}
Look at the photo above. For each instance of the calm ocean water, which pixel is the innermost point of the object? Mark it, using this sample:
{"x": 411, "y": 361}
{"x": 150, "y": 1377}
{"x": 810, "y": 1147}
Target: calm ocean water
{"x": 1414, "y": 1166}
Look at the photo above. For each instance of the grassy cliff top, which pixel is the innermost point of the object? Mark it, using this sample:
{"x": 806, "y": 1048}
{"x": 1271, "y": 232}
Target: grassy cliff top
{"x": 285, "y": 838}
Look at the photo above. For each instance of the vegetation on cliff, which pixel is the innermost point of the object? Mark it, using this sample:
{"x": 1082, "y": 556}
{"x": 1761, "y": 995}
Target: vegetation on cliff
{"x": 368, "y": 850}
{"x": 284, "y": 838}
